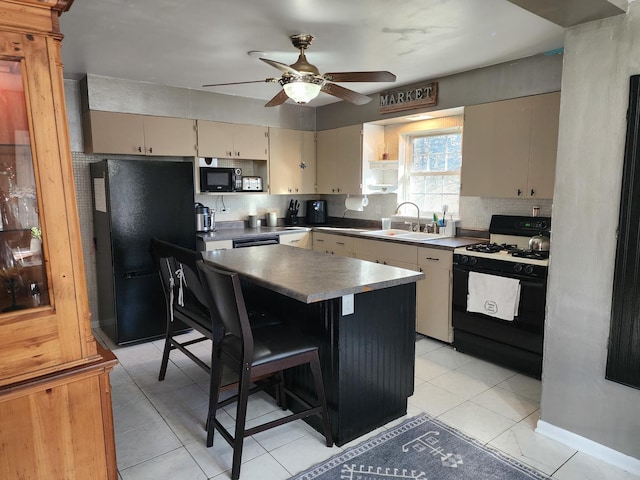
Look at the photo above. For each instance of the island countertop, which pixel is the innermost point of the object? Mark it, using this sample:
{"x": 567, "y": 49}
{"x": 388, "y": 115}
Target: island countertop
{"x": 309, "y": 276}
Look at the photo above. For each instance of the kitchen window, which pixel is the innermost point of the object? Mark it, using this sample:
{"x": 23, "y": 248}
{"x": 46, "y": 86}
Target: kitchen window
{"x": 431, "y": 173}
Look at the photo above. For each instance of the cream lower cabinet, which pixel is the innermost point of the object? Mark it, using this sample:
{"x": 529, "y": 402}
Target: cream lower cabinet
{"x": 125, "y": 133}
{"x": 292, "y": 161}
{"x": 296, "y": 239}
{"x": 433, "y": 294}
{"x": 386, "y": 253}
{"x": 334, "y": 244}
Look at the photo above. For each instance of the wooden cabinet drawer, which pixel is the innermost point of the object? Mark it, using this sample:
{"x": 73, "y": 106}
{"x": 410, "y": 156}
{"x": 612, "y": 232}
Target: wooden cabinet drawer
{"x": 388, "y": 251}
{"x": 336, "y": 244}
{"x": 435, "y": 257}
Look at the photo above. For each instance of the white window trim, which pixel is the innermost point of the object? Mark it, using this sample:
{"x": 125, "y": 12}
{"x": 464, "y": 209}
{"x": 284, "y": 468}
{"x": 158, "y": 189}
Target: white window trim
{"x": 404, "y": 159}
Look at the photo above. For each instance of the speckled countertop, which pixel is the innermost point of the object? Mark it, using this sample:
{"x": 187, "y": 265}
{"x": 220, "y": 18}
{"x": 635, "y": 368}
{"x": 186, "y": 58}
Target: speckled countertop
{"x": 309, "y": 276}
{"x": 446, "y": 243}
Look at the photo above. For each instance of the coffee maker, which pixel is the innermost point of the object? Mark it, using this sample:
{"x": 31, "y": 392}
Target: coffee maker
{"x": 205, "y": 219}
{"x": 316, "y": 212}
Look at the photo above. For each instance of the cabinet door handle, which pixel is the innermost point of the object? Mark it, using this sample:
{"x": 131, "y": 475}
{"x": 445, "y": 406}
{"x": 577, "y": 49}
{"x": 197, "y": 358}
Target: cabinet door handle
{"x": 294, "y": 241}
{"x": 421, "y": 270}
{"x": 433, "y": 259}
{"x": 150, "y": 149}
{"x": 319, "y": 239}
{"x": 237, "y": 154}
{"x": 519, "y": 192}
{"x": 532, "y": 192}
{"x": 340, "y": 243}
{"x": 384, "y": 262}
{"x": 140, "y": 149}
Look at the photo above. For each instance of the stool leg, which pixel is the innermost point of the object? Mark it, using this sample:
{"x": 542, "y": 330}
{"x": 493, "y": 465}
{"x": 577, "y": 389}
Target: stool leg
{"x": 241, "y": 416}
{"x": 322, "y": 399}
{"x": 214, "y": 393}
{"x": 167, "y": 349}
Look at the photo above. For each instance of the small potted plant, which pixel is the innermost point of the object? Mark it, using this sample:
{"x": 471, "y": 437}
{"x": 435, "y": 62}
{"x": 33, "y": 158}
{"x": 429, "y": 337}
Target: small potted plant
{"x": 36, "y": 241}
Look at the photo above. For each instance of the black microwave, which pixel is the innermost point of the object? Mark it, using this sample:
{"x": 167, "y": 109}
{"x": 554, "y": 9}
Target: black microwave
{"x": 220, "y": 179}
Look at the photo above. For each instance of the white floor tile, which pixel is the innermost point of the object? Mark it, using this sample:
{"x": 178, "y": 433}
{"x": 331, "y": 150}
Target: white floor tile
{"x": 259, "y": 404}
{"x": 133, "y": 354}
{"x": 188, "y": 397}
{"x": 173, "y": 381}
{"x": 584, "y": 467}
{"x": 523, "y": 385}
{"x": 260, "y": 468}
{"x": 303, "y": 453}
{"x": 218, "y": 458}
{"x": 425, "y": 345}
{"x": 126, "y": 392}
{"x": 139, "y": 445}
{"x": 448, "y": 357}
{"x": 506, "y": 403}
{"x": 486, "y": 372}
{"x": 434, "y": 400}
{"x": 462, "y": 385}
{"x": 427, "y": 369}
{"x": 176, "y": 465}
{"x": 527, "y": 446}
{"x": 135, "y": 414}
{"x": 477, "y": 421}
{"x": 281, "y": 435}
{"x": 148, "y": 367}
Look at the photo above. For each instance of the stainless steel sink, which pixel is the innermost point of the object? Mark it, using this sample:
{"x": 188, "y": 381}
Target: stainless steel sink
{"x": 404, "y": 235}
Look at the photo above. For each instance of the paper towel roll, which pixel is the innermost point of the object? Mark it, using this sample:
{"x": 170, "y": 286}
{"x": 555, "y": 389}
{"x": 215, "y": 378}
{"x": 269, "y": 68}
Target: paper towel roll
{"x": 354, "y": 203}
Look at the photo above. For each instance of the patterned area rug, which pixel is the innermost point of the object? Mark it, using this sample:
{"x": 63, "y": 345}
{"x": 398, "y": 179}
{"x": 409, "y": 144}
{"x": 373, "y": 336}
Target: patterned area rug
{"x": 421, "y": 448}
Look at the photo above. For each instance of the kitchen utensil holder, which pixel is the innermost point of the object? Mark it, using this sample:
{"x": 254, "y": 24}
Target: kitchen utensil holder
{"x": 290, "y": 219}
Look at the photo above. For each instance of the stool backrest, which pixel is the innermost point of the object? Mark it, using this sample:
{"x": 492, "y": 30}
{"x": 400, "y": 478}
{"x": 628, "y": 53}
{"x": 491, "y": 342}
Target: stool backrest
{"x": 224, "y": 293}
{"x": 173, "y": 261}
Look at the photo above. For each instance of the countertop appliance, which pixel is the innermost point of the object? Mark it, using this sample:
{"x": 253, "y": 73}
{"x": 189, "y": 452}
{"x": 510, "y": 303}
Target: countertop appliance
{"x": 205, "y": 219}
{"x": 219, "y": 179}
{"x": 515, "y": 343}
{"x": 316, "y": 212}
{"x": 133, "y": 201}
{"x": 251, "y": 184}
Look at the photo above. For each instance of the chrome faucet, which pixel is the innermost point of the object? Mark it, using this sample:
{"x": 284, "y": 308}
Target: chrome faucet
{"x": 417, "y": 208}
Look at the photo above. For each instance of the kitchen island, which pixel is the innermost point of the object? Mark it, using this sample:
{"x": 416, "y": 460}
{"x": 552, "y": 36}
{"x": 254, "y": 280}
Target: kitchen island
{"x": 361, "y": 313}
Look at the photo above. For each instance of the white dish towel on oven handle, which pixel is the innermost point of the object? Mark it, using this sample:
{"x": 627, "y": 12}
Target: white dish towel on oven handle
{"x": 493, "y": 295}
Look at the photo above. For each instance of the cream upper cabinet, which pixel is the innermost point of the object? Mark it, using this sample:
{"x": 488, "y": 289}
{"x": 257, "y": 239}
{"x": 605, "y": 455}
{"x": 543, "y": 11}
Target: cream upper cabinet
{"x": 509, "y": 148}
{"x": 292, "y": 161}
{"x": 339, "y": 160}
{"x": 231, "y": 140}
{"x": 130, "y": 134}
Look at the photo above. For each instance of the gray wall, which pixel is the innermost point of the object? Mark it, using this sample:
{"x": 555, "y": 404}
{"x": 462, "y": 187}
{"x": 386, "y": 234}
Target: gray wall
{"x": 599, "y": 58}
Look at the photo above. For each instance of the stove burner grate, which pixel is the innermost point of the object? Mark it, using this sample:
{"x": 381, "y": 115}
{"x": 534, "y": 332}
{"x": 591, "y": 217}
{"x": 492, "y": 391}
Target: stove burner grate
{"x": 491, "y": 247}
{"x": 533, "y": 254}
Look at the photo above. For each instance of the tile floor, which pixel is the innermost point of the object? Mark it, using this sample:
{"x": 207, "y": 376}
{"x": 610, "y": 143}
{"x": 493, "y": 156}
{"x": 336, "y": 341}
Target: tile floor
{"x": 160, "y": 435}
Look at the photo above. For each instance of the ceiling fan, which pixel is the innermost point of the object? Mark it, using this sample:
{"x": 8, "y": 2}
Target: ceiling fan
{"x": 302, "y": 81}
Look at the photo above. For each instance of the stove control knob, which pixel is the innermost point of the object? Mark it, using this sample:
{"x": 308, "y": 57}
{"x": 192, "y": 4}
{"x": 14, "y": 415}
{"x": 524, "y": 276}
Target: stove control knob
{"x": 464, "y": 259}
{"x": 528, "y": 269}
{"x": 517, "y": 267}
{"x": 473, "y": 261}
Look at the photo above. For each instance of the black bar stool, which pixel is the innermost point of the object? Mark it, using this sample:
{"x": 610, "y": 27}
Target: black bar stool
{"x": 262, "y": 352}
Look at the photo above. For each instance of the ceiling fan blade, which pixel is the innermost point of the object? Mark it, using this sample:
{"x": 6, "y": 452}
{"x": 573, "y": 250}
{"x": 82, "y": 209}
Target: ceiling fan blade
{"x": 378, "y": 76}
{"x": 268, "y": 80}
{"x": 345, "y": 94}
{"x": 279, "y": 99}
{"x": 281, "y": 66}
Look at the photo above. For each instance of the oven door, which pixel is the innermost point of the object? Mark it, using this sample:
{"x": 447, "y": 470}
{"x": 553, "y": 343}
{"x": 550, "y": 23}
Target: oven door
{"x": 516, "y": 344}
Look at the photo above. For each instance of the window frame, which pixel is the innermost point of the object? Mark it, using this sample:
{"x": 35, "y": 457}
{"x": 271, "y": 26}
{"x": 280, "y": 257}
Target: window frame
{"x": 405, "y": 173}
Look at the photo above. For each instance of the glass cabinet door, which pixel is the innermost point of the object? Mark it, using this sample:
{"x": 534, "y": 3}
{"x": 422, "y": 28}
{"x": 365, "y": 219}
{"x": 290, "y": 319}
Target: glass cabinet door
{"x": 23, "y": 282}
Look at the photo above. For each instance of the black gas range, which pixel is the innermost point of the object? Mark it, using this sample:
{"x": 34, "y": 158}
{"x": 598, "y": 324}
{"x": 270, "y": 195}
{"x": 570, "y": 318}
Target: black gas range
{"x": 481, "y": 295}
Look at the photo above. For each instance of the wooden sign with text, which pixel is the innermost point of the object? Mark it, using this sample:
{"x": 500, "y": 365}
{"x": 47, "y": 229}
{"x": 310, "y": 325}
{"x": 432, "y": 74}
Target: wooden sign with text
{"x": 407, "y": 98}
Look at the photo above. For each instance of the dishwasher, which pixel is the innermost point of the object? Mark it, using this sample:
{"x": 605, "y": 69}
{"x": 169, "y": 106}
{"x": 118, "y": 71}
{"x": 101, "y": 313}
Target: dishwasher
{"x": 255, "y": 241}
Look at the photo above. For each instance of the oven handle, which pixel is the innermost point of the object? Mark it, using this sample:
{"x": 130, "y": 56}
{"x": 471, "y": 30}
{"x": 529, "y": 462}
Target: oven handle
{"x": 524, "y": 280}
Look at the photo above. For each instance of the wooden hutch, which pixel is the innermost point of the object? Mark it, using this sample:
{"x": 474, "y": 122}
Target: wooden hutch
{"x": 55, "y": 398}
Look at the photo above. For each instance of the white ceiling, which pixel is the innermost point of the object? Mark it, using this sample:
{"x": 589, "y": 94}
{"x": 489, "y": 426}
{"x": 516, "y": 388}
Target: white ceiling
{"x": 188, "y": 44}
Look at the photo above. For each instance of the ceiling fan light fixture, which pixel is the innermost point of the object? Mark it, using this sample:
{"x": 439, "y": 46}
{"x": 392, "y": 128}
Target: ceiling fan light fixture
{"x": 301, "y": 89}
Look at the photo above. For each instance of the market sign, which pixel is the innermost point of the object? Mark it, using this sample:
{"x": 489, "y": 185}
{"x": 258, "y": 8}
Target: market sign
{"x": 407, "y": 98}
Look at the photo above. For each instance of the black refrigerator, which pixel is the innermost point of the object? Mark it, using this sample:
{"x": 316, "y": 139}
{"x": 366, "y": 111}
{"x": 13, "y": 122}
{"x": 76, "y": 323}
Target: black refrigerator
{"x": 134, "y": 201}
